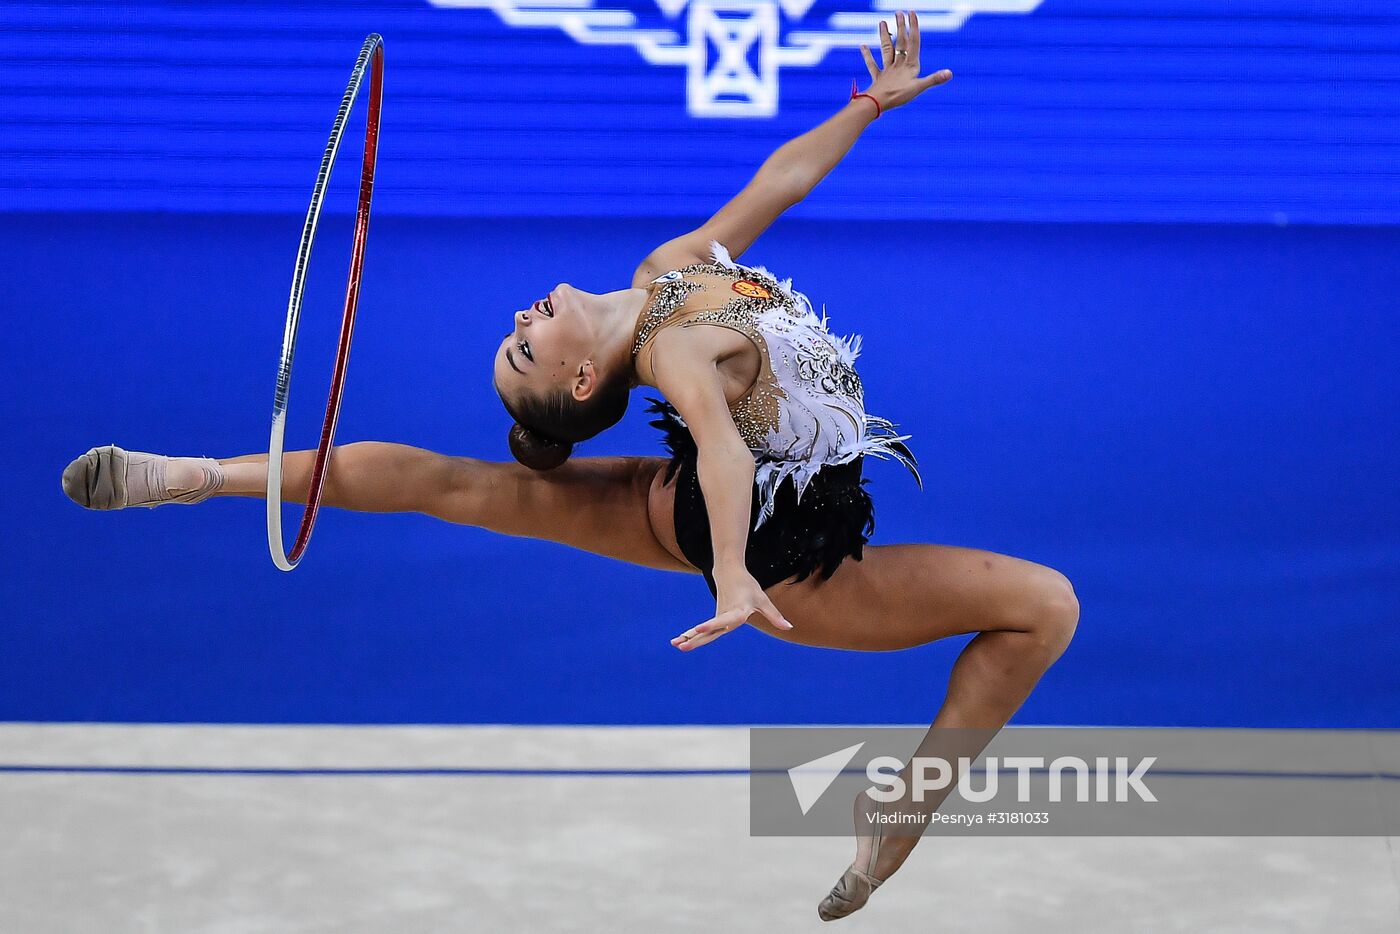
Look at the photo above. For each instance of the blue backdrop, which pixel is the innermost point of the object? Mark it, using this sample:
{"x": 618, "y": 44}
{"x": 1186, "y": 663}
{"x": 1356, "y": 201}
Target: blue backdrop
{"x": 1084, "y": 110}
{"x": 1193, "y": 418}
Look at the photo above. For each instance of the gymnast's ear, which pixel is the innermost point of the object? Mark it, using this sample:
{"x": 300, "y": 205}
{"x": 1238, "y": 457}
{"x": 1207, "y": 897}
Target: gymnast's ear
{"x": 535, "y": 451}
{"x": 585, "y": 382}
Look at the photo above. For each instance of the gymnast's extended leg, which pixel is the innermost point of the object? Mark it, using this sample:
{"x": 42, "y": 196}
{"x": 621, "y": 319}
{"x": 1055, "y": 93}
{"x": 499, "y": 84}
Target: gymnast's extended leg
{"x": 612, "y": 506}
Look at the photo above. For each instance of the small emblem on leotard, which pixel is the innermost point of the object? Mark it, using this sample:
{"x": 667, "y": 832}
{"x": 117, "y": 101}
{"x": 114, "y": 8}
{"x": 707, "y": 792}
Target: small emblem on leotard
{"x": 750, "y": 289}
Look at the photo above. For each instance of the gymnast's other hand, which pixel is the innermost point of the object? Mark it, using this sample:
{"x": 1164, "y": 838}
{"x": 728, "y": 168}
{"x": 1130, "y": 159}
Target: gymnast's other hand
{"x": 739, "y": 597}
{"x": 898, "y": 82}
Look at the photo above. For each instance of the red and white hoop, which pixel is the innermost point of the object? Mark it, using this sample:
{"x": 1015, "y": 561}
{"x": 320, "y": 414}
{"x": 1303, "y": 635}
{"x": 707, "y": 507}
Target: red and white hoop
{"x": 371, "y": 62}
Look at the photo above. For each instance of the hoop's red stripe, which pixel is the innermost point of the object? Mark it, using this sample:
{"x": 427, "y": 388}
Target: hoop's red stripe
{"x": 352, "y": 301}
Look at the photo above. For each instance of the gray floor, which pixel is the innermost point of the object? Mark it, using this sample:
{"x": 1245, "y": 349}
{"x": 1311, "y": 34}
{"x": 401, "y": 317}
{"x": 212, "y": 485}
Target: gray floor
{"x": 237, "y": 854}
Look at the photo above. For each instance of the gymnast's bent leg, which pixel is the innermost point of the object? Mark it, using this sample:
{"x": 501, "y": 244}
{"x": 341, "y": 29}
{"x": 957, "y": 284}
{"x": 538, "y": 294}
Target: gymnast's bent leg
{"x": 1022, "y": 616}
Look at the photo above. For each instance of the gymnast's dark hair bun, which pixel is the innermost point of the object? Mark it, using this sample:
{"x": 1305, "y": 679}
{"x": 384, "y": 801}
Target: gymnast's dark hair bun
{"x": 535, "y": 450}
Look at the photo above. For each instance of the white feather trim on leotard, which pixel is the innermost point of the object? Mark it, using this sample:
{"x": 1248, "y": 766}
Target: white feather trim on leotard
{"x": 822, "y": 419}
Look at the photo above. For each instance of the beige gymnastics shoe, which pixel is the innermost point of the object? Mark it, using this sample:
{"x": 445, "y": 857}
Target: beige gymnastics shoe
{"x": 110, "y": 477}
{"x": 857, "y": 883}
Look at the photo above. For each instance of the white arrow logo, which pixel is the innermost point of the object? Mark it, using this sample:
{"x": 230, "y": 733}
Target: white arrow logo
{"x": 810, "y": 780}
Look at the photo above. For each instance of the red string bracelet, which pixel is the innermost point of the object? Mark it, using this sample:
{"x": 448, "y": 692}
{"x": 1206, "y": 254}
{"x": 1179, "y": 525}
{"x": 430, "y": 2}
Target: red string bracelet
{"x": 870, "y": 97}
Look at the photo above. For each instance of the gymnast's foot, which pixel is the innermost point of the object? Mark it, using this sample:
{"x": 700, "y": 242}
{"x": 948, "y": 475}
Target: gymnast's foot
{"x": 112, "y": 478}
{"x": 858, "y": 882}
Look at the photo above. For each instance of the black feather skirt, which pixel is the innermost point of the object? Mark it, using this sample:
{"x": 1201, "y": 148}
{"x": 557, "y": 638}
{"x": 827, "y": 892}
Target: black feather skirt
{"x": 832, "y": 522}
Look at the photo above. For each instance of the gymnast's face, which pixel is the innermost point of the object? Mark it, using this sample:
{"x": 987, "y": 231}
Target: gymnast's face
{"x": 550, "y": 345}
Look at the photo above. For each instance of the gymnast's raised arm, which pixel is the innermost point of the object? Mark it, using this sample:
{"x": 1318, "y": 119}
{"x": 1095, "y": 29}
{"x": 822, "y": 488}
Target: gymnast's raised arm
{"x": 795, "y": 168}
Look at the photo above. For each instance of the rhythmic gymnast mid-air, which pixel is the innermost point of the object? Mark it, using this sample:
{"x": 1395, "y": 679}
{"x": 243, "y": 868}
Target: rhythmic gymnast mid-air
{"x": 766, "y": 430}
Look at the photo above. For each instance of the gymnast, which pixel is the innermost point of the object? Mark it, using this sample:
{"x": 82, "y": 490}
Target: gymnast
{"x": 765, "y": 430}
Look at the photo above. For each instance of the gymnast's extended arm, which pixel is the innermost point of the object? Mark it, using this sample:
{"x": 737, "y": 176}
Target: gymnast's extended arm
{"x": 795, "y": 168}
{"x": 783, "y": 180}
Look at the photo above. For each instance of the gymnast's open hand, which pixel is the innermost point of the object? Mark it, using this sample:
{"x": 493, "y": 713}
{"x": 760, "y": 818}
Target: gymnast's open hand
{"x": 738, "y": 597}
{"x": 899, "y": 82}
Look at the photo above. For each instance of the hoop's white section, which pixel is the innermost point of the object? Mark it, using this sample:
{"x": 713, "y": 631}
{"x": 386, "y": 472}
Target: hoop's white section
{"x": 289, "y": 335}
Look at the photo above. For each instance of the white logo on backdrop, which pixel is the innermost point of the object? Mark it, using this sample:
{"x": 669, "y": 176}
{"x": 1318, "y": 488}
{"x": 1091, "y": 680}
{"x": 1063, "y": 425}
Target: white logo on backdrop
{"x": 732, "y": 49}
{"x": 810, "y": 780}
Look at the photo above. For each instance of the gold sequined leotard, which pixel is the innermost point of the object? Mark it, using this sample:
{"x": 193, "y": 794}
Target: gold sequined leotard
{"x": 807, "y": 407}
